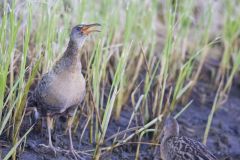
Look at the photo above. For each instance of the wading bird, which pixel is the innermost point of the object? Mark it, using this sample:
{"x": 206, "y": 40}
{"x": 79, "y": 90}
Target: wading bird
{"x": 175, "y": 147}
{"x": 63, "y": 88}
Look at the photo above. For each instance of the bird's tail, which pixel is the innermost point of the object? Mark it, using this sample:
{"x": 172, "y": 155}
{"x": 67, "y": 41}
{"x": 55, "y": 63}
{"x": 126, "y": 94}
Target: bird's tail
{"x": 33, "y": 113}
{"x": 32, "y": 110}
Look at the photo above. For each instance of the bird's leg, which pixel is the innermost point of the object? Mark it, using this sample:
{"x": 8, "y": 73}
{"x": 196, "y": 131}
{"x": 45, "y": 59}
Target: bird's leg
{"x": 49, "y": 127}
{"x": 69, "y": 128}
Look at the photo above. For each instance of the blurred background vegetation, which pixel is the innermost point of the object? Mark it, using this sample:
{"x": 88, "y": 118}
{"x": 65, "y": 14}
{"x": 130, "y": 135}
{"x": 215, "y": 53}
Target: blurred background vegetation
{"x": 151, "y": 55}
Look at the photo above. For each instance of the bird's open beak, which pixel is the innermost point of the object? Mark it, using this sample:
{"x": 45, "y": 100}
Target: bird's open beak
{"x": 90, "y": 28}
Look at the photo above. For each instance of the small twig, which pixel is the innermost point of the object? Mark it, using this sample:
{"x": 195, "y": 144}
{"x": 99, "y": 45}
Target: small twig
{"x": 145, "y": 60}
{"x": 95, "y": 108}
{"x": 122, "y": 132}
{"x": 114, "y": 146}
{"x": 155, "y": 120}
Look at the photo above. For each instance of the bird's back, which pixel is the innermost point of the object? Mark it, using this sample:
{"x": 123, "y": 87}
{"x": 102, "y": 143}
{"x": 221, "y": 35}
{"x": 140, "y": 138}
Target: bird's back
{"x": 183, "y": 148}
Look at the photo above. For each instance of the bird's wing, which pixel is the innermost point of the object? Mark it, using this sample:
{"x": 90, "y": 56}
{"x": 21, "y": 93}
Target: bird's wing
{"x": 187, "y": 148}
{"x": 38, "y": 93}
{"x": 43, "y": 96}
{"x": 42, "y": 88}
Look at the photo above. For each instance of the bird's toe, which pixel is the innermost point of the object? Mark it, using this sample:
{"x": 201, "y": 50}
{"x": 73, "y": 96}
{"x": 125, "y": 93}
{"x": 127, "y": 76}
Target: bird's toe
{"x": 49, "y": 148}
{"x": 75, "y": 154}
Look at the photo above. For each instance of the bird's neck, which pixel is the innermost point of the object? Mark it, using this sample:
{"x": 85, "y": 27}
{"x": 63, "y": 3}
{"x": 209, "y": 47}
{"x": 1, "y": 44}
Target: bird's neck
{"x": 72, "y": 49}
{"x": 71, "y": 54}
{"x": 70, "y": 60}
{"x": 171, "y": 132}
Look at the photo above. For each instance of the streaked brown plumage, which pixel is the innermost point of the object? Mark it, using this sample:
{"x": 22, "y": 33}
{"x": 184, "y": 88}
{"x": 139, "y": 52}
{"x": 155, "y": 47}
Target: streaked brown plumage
{"x": 62, "y": 89}
{"x": 175, "y": 147}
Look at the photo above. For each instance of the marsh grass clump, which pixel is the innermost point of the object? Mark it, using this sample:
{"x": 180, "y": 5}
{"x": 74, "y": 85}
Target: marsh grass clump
{"x": 150, "y": 58}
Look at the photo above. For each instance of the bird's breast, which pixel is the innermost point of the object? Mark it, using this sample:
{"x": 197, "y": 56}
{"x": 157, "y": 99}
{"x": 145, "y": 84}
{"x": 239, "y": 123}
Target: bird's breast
{"x": 69, "y": 88}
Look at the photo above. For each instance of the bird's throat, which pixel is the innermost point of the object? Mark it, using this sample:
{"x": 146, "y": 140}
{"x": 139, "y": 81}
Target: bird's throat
{"x": 75, "y": 45}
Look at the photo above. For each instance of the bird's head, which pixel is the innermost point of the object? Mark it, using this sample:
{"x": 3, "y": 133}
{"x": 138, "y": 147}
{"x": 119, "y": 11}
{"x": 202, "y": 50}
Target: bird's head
{"x": 171, "y": 127}
{"x": 80, "y": 32}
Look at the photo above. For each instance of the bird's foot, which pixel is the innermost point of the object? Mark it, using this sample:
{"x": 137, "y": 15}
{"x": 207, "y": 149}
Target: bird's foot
{"x": 54, "y": 149}
{"x": 75, "y": 154}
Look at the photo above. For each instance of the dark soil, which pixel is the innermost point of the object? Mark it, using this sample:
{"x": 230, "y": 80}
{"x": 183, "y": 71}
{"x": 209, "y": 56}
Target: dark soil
{"x": 223, "y": 140}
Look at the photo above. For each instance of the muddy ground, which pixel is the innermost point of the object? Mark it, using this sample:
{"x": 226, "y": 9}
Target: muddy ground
{"x": 223, "y": 140}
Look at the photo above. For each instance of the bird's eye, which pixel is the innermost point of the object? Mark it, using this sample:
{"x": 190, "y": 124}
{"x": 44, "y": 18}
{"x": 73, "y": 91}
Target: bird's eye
{"x": 78, "y": 29}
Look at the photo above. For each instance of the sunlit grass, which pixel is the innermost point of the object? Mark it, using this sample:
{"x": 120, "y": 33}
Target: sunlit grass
{"x": 123, "y": 63}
